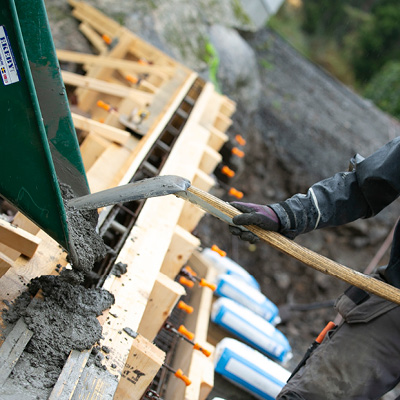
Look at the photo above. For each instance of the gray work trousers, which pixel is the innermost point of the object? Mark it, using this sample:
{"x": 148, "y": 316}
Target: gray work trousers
{"x": 359, "y": 360}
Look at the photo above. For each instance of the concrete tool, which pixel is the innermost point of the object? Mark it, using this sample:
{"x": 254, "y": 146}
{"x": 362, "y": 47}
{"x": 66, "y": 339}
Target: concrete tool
{"x": 171, "y": 184}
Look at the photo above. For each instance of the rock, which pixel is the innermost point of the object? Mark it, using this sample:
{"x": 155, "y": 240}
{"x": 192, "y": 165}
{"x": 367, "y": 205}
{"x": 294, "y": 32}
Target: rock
{"x": 237, "y": 73}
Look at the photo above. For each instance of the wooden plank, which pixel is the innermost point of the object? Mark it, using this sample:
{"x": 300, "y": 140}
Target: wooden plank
{"x": 70, "y": 375}
{"x": 199, "y": 368}
{"x": 144, "y": 361}
{"x": 211, "y": 158}
{"x": 100, "y": 86}
{"x": 87, "y": 98}
{"x": 153, "y": 133}
{"x": 95, "y": 39}
{"x": 5, "y": 263}
{"x": 109, "y": 61}
{"x": 217, "y": 138}
{"x": 181, "y": 248}
{"x": 106, "y": 24}
{"x": 106, "y": 131}
{"x": 101, "y": 175}
{"x": 18, "y": 239}
{"x": 228, "y": 106}
{"x": 163, "y": 298}
{"x": 44, "y": 262}
{"x": 201, "y": 373}
{"x": 92, "y": 148}
{"x": 12, "y": 348}
{"x": 222, "y": 122}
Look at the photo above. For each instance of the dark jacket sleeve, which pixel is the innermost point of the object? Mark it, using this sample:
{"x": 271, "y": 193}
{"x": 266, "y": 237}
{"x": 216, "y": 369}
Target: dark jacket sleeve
{"x": 372, "y": 185}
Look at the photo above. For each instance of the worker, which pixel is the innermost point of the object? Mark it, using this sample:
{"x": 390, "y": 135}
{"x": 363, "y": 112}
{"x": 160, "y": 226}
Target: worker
{"x": 359, "y": 358}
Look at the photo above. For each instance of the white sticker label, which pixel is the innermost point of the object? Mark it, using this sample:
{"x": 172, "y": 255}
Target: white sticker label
{"x": 8, "y": 66}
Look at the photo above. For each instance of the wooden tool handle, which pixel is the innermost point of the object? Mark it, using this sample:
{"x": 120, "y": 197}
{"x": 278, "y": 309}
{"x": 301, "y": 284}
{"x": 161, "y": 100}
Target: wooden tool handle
{"x": 306, "y": 256}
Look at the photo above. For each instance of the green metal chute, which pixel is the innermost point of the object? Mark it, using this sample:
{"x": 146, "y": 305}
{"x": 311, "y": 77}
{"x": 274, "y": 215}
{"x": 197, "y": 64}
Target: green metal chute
{"x": 38, "y": 144}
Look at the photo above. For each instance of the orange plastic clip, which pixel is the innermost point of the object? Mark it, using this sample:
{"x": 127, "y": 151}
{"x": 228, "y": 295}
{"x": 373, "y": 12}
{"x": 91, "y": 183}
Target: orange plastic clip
{"x": 237, "y": 152}
{"x": 185, "y": 332}
{"x": 186, "y": 282}
{"x": 131, "y": 79}
{"x": 185, "y": 307}
{"x": 204, "y": 351}
{"x": 104, "y": 105}
{"x": 227, "y": 171}
{"x": 107, "y": 39}
{"x": 188, "y": 269}
{"x": 215, "y": 248}
{"x": 235, "y": 193}
{"x": 240, "y": 140}
{"x": 204, "y": 283}
{"x": 179, "y": 374}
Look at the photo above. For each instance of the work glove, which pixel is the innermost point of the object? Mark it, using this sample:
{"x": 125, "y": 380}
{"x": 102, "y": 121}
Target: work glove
{"x": 253, "y": 214}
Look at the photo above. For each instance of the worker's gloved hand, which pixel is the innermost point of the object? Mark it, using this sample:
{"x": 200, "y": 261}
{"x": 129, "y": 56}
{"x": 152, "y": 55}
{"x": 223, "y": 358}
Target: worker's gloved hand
{"x": 254, "y": 214}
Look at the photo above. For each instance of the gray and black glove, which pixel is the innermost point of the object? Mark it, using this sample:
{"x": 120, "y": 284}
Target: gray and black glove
{"x": 254, "y": 214}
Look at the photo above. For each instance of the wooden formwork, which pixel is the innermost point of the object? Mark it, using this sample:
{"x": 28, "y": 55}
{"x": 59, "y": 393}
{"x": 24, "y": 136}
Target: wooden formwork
{"x": 131, "y": 76}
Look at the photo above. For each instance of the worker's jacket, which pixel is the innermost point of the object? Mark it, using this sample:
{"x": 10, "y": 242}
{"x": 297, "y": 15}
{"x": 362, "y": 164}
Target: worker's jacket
{"x": 370, "y": 186}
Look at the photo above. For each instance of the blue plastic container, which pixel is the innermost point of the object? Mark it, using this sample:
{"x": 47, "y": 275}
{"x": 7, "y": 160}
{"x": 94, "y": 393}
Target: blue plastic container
{"x": 234, "y": 288}
{"x": 249, "y": 369}
{"x": 251, "y": 328}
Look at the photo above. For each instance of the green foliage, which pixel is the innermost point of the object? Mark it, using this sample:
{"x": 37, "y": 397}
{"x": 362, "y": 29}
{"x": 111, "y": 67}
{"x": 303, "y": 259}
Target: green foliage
{"x": 379, "y": 39}
{"x": 212, "y": 60}
{"x": 384, "y": 88}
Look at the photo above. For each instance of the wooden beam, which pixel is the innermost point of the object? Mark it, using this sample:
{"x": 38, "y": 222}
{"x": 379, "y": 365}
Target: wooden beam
{"x": 115, "y": 63}
{"x": 27, "y": 225}
{"x": 211, "y": 158}
{"x": 94, "y": 38}
{"x": 18, "y": 239}
{"x": 106, "y": 131}
{"x": 222, "y": 122}
{"x": 12, "y": 348}
{"x": 44, "y": 262}
{"x": 101, "y": 175}
{"x": 144, "y": 361}
{"x": 217, "y": 139}
{"x": 163, "y": 298}
{"x": 92, "y": 148}
{"x": 181, "y": 248}
{"x": 228, "y": 106}
{"x": 139, "y": 96}
{"x": 5, "y": 263}
{"x": 70, "y": 375}
{"x": 199, "y": 369}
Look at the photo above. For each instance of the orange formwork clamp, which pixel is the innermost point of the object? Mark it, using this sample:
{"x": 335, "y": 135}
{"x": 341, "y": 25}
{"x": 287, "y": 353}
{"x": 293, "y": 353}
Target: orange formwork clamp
{"x": 215, "y": 248}
{"x": 186, "y": 282}
{"x": 185, "y": 307}
{"x": 105, "y": 106}
{"x": 230, "y": 173}
{"x": 185, "y": 332}
{"x": 204, "y": 283}
{"x": 179, "y": 374}
{"x": 240, "y": 139}
{"x": 235, "y": 193}
{"x": 206, "y": 352}
{"x": 237, "y": 152}
{"x": 132, "y": 79}
{"x": 106, "y": 39}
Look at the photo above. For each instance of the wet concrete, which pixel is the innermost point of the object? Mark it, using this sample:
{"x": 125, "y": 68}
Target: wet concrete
{"x": 64, "y": 320}
{"x": 86, "y": 243}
